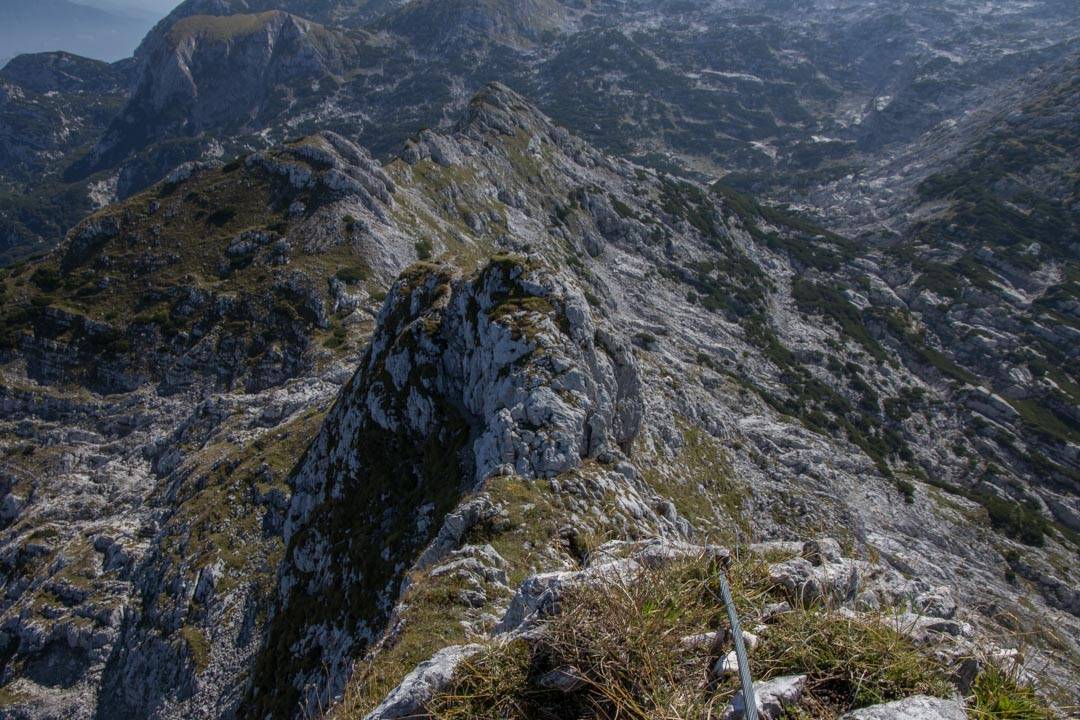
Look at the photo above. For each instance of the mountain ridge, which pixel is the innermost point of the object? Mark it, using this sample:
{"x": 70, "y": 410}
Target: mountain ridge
{"x": 369, "y": 362}
{"x": 261, "y": 283}
{"x": 758, "y": 112}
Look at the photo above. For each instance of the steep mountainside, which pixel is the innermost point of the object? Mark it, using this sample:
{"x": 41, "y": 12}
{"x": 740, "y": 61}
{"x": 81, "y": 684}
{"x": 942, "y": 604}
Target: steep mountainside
{"x": 783, "y": 97}
{"x": 382, "y": 333}
{"x": 222, "y": 75}
{"x": 52, "y": 106}
{"x": 204, "y": 516}
{"x": 980, "y": 239}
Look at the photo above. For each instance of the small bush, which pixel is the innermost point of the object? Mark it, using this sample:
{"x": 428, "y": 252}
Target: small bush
{"x": 222, "y": 216}
{"x": 624, "y": 210}
{"x": 352, "y": 275}
{"x": 424, "y": 249}
{"x": 907, "y": 489}
{"x": 46, "y": 279}
{"x": 645, "y": 340}
{"x": 337, "y": 338}
{"x": 197, "y": 645}
{"x": 1021, "y": 522}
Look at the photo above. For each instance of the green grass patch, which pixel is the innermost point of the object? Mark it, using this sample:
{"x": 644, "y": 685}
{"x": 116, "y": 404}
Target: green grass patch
{"x": 997, "y": 695}
{"x": 198, "y": 645}
{"x": 1045, "y": 421}
{"x": 1019, "y": 521}
{"x": 701, "y": 483}
{"x": 850, "y": 662}
{"x": 353, "y": 274}
{"x": 425, "y": 249}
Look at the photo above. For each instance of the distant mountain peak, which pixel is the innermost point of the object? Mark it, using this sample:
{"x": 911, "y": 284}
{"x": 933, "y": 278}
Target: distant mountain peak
{"x": 61, "y": 71}
{"x": 497, "y": 107}
{"x": 210, "y": 71}
{"x": 336, "y": 11}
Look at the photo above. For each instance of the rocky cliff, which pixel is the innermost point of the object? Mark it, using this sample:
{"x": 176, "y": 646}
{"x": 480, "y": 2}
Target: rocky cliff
{"x": 228, "y": 74}
{"x": 501, "y": 375}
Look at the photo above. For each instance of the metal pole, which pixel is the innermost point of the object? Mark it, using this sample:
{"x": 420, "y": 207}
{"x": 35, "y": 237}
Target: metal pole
{"x": 749, "y": 698}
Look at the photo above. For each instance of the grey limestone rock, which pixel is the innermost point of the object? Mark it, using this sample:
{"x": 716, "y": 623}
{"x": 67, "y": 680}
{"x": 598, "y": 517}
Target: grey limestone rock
{"x": 772, "y": 697}
{"x": 409, "y": 699}
{"x": 919, "y": 707}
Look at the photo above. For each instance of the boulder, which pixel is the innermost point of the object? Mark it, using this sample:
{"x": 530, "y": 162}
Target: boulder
{"x": 564, "y": 679}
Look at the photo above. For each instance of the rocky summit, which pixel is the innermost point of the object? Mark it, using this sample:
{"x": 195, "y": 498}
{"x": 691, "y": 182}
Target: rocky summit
{"x": 422, "y": 359}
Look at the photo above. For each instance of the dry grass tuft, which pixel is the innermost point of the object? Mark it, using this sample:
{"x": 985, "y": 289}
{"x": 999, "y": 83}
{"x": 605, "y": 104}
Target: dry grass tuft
{"x": 624, "y": 639}
{"x": 849, "y": 662}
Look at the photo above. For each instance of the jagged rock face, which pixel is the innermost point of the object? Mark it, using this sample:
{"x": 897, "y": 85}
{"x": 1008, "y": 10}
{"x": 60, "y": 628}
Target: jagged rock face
{"x": 142, "y": 597}
{"x": 504, "y": 374}
{"x": 215, "y": 72}
{"x": 185, "y": 646}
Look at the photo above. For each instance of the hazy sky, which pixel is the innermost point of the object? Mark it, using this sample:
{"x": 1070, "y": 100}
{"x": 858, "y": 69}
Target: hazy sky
{"x": 101, "y": 29}
{"x": 157, "y": 7}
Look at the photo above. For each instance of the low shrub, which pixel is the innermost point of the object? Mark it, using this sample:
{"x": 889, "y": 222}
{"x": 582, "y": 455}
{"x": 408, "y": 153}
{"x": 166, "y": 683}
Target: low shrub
{"x": 352, "y": 275}
{"x": 46, "y": 279}
{"x": 424, "y": 249}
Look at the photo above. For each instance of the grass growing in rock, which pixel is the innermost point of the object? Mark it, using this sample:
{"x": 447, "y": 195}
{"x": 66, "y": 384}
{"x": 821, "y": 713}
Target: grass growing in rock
{"x": 625, "y": 640}
{"x": 701, "y": 483}
{"x": 850, "y": 662}
{"x": 997, "y": 694}
{"x": 431, "y": 620}
{"x": 526, "y": 535}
